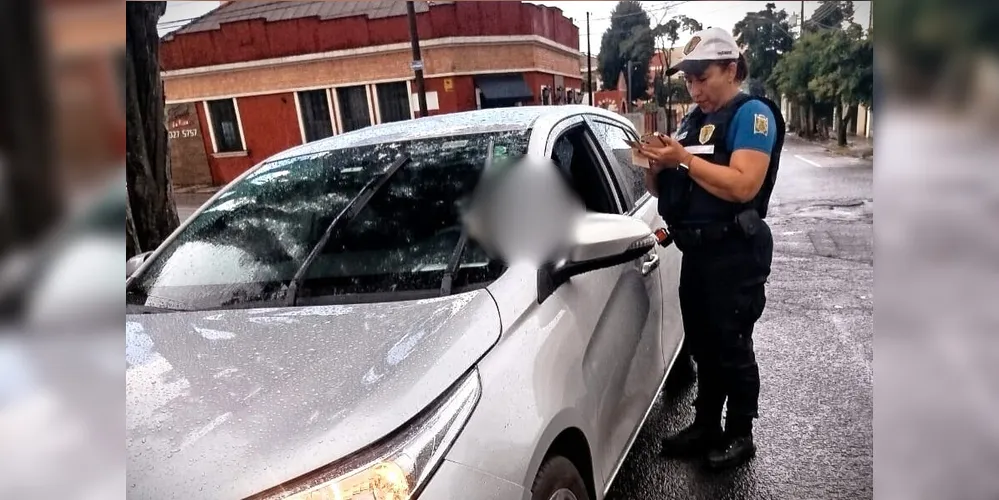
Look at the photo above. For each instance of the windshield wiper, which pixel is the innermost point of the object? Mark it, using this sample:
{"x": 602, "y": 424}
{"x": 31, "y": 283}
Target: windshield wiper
{"x": 453, "y": 263}
{"x": 459, "y": 249}
{"x": 354, "y": 207}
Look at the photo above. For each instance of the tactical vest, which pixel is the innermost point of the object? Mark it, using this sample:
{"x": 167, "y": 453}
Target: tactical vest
{"x": 682, "y": 202}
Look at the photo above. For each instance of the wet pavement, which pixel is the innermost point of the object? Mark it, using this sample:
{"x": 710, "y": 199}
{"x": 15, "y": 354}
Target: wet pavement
{"x": 814, "y": 345}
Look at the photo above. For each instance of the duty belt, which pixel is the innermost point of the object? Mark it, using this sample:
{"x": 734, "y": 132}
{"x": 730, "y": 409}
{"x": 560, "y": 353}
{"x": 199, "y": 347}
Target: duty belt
{"x": 687, "y": 237}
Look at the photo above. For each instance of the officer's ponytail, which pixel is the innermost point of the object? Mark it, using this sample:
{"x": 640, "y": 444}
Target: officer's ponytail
{"x": 741, "y": 67}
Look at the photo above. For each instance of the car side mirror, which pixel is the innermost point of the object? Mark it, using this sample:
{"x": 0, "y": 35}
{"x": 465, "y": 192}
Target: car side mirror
{"x": 133, "y": 264}
{"x": 599, "y": 241}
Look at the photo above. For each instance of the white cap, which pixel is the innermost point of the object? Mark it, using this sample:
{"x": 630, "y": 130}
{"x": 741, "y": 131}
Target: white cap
{"x": 712, "y": 44}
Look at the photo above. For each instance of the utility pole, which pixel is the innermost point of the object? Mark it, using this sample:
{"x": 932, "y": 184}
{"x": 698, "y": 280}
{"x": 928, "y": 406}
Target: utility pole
{"x": 669, "y": 92}
{"x": 589, "y": 62}
{"x": 417, "y": 63}
{"x": 627, "y": 104}
{"x": 802, "y": 19}
{"x": 870, "y": 20}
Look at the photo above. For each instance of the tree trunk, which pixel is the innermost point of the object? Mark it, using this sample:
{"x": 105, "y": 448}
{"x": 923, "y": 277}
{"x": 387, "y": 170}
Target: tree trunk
{"x": 131, "y": 240}
{"x": 811, "y": 121}
{"x": 147, "y": 166}
{"x": 841, "y": 125}
{"x": 30, "y": 187}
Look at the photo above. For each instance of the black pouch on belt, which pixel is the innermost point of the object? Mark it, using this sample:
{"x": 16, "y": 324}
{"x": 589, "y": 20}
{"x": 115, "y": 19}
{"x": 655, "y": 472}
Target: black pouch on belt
{"x": 749, "y": 222}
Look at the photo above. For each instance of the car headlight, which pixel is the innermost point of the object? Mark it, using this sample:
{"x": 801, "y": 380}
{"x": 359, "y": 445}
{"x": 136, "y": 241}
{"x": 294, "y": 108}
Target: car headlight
{"x": 398, "y": 467}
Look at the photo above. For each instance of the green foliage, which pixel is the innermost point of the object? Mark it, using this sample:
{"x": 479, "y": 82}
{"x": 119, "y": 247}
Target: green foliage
{"x": 668, "y": 34}
{"x": 670, "y": 31}
{"x": 928, "y": 39}
{"x": 629, "y": 38}
{"x": 674, "y": 87}
{"x": 766, "y": 36}
{"x": 828, "y": 66}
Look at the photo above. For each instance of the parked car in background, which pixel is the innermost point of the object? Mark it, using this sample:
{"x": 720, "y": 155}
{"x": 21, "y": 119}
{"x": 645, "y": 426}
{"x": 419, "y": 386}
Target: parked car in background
{"x": 324, "y": 327}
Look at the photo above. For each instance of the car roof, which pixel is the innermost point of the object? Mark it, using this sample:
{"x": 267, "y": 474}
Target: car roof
{"x": 450, "y": 124}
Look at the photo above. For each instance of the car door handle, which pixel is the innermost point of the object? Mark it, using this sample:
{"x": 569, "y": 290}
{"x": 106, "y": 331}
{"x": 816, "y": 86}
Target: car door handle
{"x": 650, "y": 264}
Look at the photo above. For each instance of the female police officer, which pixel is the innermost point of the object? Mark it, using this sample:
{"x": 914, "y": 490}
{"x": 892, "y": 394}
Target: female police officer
{"x": 713, "y": 181}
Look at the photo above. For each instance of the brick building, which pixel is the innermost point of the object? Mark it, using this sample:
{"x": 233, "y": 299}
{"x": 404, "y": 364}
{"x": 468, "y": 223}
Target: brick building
{"x": 248, "y": 79}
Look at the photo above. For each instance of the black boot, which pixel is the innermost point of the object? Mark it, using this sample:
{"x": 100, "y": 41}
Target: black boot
{"x": 736, "y": 447}
{"x": 701, "y": 436}
{"x": 682, "y": 374}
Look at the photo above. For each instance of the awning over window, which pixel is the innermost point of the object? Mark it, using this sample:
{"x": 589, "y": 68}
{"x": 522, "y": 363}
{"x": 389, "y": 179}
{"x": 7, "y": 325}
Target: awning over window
{"x": 504, "y": 87}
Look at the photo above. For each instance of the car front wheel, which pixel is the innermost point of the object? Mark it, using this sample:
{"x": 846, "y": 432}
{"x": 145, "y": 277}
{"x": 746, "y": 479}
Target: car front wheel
{"x": 558, "y": 479}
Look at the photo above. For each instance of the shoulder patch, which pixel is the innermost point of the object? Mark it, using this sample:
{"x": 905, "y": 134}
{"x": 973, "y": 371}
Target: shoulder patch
{"x": 761, "y": 124}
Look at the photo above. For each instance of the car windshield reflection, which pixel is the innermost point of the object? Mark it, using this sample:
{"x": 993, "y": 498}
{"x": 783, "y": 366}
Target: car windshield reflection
{"x": 244, "y": 249}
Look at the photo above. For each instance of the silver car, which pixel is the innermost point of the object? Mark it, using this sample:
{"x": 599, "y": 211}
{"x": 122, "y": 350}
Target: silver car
{"x": 324, "y": 328}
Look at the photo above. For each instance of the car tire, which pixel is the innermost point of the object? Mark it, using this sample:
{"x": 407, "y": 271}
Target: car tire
{"x": 558, "y": 479}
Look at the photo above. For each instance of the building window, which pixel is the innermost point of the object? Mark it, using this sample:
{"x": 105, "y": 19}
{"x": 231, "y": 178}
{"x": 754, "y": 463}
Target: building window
{"x": 546, "y": 96}
{"x": 393, "y": 101}
{"x": 353, "y": 107}
{"x": 225, "y": 126}
{"x": 570, "y": 97}
{"x": 315, "y": 114}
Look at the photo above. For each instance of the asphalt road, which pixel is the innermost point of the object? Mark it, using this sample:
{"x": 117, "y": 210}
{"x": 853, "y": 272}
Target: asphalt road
{"x": 814, "y": 345}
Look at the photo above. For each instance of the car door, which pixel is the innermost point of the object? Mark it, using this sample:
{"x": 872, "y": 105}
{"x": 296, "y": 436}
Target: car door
{"x": 612, "y": 135}
{"x": 616, "y": 310}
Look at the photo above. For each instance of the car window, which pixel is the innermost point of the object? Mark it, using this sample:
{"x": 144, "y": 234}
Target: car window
{"x": 248, "y": 245}
{"x": 582, "y": 169}
{"x": 632, "y": 177}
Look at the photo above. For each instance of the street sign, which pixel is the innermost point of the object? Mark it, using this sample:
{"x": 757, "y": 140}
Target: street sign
{"x": 416, "y": 65}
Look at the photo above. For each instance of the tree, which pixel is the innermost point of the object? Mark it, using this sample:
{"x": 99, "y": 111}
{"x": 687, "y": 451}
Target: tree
{"x": 766, "y": 37}
{"x": 629, "y": 38}
{"x": 670, "y": 32}
{"x": 147, "y": 163}
{"x": 826, "y": 70}
{"x": 670, "y": 91}
{"x": 844, "y": 73}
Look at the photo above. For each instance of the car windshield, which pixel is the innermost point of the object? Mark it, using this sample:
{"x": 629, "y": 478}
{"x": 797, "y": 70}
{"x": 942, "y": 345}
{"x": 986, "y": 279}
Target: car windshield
{"x": 245, "y": 248}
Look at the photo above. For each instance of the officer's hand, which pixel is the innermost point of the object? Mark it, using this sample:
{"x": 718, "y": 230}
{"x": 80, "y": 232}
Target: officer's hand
{"x": 669, "y": 155}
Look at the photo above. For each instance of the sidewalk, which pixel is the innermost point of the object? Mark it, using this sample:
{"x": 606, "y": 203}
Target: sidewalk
{"x": 857, "y": 147}
{"x": 201, "y": 189}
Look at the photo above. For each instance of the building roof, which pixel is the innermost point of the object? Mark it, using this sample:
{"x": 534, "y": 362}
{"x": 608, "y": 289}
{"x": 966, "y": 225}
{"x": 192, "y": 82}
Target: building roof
{"x": 282, "y": 11}
{"x": 445, "y": 125}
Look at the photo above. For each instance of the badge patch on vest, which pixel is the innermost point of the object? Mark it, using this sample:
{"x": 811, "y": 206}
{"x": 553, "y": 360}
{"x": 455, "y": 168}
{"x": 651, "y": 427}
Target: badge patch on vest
{"x": 706, "y": 132}
{"x": 761, "y": 125}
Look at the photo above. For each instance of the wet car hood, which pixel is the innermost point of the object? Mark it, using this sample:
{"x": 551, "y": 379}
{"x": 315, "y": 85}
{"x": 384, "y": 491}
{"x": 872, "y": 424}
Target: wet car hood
{"x": 225, "y": 404}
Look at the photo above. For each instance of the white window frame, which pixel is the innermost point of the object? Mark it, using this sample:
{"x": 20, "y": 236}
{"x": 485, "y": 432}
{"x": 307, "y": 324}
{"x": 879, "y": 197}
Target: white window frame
{"x": 409, "y": 92}
{"x": 211, "y": 127}
{"x": 298, "y": 113}
{"x": 335, "y": 102}
{"x": 373, "y": 103}
{"x": 372, "y": 108}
